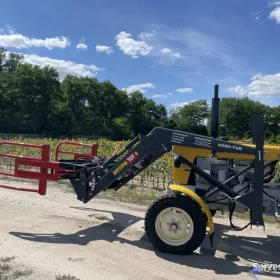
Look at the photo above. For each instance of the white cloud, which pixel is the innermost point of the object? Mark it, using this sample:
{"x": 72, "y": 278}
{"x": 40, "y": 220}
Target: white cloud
{"x": 82, "y": 46}
{"x": 239, "y": 90}
{"x": 146, "y": 35}
{"x": 255, "y": 13}
{"x": 256, "y": 77}
{"x": 171, "y": 54}
{"x": 177, "y": 55}
{"x": 275, "y": 14}
{"x": 132, "y": 47}
{"x": 177, "y": 104}
{"x": 106, "y": 49}
{"x": 140, "y": 87}
{"x": 273, "y": 3}
{"x": 164, "y": 96}
{"x": 182, "y": 90}
{"x": 10, "y": 29}
{"x": 170, "y": 93}
{"x": 261, "y": 86}
{"x": 22, "y": 42}
{"x": 64, "y": 67}
{"x": 166, "y": 50}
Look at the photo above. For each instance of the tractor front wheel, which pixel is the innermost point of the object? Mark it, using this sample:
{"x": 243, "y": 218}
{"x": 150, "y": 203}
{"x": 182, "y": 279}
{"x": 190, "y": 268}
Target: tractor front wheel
{"x": 175, "y": 224}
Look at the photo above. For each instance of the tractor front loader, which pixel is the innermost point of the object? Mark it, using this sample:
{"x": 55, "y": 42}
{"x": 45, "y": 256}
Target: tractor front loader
{"x": 209, "y": 174}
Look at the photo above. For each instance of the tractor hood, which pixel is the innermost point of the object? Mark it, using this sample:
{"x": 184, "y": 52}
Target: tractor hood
{"x": 271, "y": 153}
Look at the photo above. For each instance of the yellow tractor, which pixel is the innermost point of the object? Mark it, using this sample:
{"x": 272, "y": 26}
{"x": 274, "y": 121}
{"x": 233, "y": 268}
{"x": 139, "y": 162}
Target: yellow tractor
{"x": 209, "y": 174}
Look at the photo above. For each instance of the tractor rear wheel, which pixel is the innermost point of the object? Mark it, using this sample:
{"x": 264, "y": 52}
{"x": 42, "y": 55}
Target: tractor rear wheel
{"x": 175, "y": 224}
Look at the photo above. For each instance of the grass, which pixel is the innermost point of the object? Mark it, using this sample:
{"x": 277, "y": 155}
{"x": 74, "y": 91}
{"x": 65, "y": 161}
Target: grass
{"x": 6, "y": 259}
{"x": 5, "y": 267}
{"x": 66, "y": 277}
{"x": 21, "y": 273}
{"x": 7, "y": 271}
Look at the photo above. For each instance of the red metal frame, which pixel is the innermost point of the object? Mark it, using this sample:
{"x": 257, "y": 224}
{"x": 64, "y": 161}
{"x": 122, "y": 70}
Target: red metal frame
{"x": 76, "y": 154}
{"x": 44, "y": 163}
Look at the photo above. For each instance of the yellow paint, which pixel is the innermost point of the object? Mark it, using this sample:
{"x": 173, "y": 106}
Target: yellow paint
{"x": 119, "y": 168}
{"x": 199, "y": 200}
{"x": 180, "y": 176}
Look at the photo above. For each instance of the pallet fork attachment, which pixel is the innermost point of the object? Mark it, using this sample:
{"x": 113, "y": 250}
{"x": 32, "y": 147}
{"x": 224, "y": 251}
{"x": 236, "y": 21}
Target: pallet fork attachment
{"x": 48, "y": 170}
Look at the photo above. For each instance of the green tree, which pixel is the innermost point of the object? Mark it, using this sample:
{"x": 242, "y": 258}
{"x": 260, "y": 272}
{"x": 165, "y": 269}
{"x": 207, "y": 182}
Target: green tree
{"x": 76, "y": 94}
{"x": 235, "y": 116}
{"x": 272, "y": 121}
{"x": 2, "y": 59}
{"x": 91, "y": 106}
{"x": 191, "y": 117}
{"x": 144, "y": 114}
{"x": 111, "y": 103}
{"x": 32, "y": 95}
{"x": 12, "y": 63}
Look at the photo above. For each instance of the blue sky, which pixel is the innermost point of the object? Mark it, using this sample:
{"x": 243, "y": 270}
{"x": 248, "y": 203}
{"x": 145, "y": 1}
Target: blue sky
{"x": 173, "y": 51}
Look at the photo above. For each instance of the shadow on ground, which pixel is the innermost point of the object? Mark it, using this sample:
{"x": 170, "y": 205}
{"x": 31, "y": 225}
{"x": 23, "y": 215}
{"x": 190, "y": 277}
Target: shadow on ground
{"x": 252, "y": 249}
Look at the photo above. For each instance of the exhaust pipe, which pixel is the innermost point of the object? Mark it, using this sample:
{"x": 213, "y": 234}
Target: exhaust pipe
{"x": 215, "y": 114}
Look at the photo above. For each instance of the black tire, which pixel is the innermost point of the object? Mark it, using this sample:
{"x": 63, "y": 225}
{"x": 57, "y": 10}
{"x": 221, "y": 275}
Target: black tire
{"x": 192, "y": 208}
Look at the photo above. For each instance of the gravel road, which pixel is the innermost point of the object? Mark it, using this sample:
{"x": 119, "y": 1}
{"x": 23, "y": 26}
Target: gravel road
{"x": 58, "y": 235}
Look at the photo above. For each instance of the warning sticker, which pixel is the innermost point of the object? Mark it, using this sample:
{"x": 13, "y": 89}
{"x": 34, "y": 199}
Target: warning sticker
{"x": 132, "y": 157}
{"x": 120, "y": 167}
{"x": 204, "y": 142}
{"x": 178, "y": 138}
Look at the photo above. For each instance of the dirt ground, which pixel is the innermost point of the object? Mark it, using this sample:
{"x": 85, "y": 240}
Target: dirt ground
{"x": 56, "y": 234}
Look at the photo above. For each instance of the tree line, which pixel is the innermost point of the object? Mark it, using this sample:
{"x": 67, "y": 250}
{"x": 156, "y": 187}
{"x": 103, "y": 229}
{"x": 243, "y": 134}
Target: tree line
{"x": 34, "y": 100}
